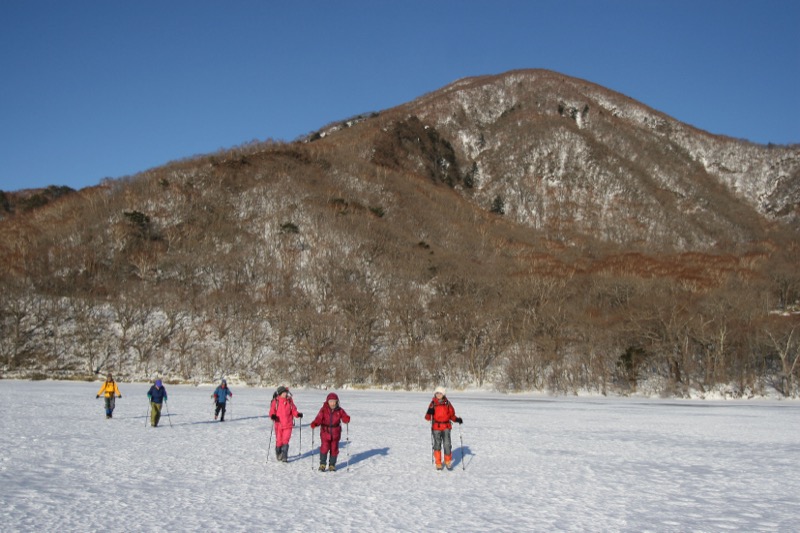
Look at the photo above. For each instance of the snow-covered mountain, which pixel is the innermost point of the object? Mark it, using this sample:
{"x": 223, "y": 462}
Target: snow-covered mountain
{"x": 521, "y": 231}
{"x": 569, "y": 156}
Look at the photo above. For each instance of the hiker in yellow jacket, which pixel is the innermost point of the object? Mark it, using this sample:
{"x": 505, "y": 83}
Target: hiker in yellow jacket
{"x": 110, "y": 392}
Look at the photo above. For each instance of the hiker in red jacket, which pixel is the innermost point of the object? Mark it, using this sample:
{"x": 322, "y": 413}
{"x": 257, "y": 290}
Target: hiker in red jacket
{"x": 441, "y": 414}
{"x": 282, "y": 411}
{"x": 329, "y": 419}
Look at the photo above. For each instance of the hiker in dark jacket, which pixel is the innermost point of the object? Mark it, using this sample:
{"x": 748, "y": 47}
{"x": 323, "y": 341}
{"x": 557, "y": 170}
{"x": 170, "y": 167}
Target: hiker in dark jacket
{"x": 221, "y": 395}
{"x": 157, "y": 395}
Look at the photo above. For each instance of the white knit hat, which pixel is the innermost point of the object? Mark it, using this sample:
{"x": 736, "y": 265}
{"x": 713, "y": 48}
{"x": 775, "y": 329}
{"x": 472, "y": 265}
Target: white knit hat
{"x": 440, "y": 389}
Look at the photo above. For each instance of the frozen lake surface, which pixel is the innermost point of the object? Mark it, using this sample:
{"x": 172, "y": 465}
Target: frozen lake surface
{"x": 530, "y": 463}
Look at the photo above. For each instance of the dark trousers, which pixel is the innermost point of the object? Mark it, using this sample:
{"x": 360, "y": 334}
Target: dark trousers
{"x": 110, "y": 403}
{"x": 442, "y": 439}
{"x": 220, "y": 409}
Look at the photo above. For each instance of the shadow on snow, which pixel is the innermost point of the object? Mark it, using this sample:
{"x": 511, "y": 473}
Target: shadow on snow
{"x": 463, "y": 454}
{"x": 363, "y": 456}
{"x": 344, "y": 459}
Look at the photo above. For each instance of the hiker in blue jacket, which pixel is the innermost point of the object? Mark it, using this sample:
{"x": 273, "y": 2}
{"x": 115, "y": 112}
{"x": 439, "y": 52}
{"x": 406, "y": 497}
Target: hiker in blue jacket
{"x": 157, "y": 395}
{"x": 221, "y": 395}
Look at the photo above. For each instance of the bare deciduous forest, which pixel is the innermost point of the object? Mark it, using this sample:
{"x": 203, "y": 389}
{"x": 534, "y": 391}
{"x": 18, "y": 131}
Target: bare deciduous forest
{"x": 523, "y": 232}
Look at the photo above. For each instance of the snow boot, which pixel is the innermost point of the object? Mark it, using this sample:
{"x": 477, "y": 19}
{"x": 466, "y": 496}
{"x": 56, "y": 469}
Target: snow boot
{"x": 285, "y": 453}
{"x": 448, "y": 462}
{"x": 323, "y": 461}
{"x": 278, "y": 455}
{"x": 332, "y": 465}
{"x": 437, "y": 455}
{"x": 322, "y": 467}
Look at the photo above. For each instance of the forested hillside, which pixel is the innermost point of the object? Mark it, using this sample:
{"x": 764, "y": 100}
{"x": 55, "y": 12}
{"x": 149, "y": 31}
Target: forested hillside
{"x": 525, "y": 232}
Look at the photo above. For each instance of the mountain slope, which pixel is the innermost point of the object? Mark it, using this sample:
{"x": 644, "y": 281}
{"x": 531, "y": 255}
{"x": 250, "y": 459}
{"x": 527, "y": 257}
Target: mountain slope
{"x": 570, "y": 157}
{"x": 525, "y": 231}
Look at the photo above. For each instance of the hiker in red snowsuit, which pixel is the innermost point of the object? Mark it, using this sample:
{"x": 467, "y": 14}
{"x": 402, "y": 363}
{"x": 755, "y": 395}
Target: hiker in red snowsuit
{"x": 282, "y": 411}
{"x": 329, "y": 419}
{"x": 441, "y": 414}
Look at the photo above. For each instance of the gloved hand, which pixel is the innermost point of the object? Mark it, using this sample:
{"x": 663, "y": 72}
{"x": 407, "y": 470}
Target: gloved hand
{"x": 313, "y": 425}
{"x": 299, "y": 415}
{"x": 120, "y": 396}
{"x": 430, "y": 411}
{"x": 274, "y": 417}
{"x": 459, "y": 420}
{"x": 97, "y": 396}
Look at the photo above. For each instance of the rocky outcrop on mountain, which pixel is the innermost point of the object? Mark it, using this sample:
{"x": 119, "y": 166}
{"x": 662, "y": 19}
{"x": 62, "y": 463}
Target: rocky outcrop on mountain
{"x": 570, "y": 156}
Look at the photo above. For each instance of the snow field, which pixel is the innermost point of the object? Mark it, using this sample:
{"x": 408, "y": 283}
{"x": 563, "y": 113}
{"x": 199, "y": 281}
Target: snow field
{"x": 533, "y": 463}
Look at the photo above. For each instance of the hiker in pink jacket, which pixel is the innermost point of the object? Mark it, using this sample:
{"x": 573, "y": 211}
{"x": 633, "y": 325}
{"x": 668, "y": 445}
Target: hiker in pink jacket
{"x": 282, "y": 411}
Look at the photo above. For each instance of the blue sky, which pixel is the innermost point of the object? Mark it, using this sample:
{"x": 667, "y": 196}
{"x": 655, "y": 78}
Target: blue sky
{"x": 104, "y": 89}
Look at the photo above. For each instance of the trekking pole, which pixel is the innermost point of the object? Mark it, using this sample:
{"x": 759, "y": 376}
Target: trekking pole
{"x": 347, "y": 428}
{"x": 300, "y": 445}
{"x": 433, "y": 444}
{"x": 269, "y": 442}
{"x": 166, "y": 404}
{"x": 311, "y": 454}
{"x": 147, "y": 414}
{"x": 461, "y": 438}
